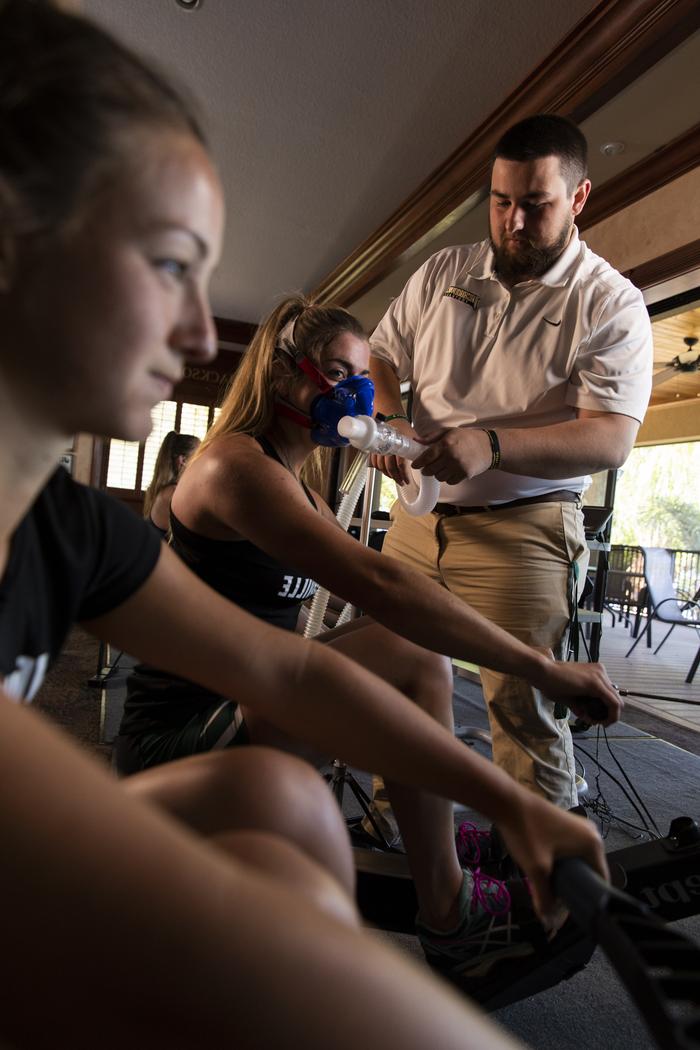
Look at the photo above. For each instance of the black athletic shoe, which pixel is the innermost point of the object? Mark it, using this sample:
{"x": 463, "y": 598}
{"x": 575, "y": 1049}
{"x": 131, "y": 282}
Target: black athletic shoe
{"x": 497, "y": 925}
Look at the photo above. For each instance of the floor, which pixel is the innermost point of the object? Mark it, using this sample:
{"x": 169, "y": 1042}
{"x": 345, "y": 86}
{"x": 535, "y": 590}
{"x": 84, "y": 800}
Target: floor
{"x": 592, "y": 1008}
{"x": 662, "y": 674}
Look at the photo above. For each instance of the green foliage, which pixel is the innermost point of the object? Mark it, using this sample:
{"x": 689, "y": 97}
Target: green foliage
{"x": 657, "y": 501}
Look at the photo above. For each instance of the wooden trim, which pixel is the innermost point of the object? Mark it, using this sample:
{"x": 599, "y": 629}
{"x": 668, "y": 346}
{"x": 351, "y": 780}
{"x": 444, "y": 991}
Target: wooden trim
{"x": 98, "y": 465}
{"x": 649, "y": 174}
{"x": 139, "y": 466}
{"x": 608, "y": 49}
{"x": 231, "y": 331}
{"x": 665, "y": 267}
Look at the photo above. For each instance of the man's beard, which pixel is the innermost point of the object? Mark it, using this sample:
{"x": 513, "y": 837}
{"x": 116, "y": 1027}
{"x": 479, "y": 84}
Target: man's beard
{"x": 528, "y": 261}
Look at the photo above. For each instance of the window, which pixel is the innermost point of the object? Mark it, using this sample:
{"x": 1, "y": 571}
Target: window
{"x": 130, "y": 464}
{"x": 194, "y": 419}
{"x": 123, "y": 464}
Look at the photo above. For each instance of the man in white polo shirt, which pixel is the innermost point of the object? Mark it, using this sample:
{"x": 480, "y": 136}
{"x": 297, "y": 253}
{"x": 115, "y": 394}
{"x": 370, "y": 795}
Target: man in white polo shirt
{"x": 529, "y": 359}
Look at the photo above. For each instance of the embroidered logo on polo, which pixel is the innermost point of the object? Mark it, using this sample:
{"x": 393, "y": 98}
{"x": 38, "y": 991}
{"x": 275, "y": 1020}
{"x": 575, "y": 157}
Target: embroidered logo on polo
{"x": 462, "y": 296}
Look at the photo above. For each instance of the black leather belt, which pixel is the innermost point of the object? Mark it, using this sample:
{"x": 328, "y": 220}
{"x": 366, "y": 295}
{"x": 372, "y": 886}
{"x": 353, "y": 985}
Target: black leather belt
{"x": 559, "y": 496}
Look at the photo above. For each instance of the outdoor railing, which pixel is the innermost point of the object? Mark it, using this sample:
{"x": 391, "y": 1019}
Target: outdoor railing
{"x": 626, "y": 576}
{"x": 686, "y": 572}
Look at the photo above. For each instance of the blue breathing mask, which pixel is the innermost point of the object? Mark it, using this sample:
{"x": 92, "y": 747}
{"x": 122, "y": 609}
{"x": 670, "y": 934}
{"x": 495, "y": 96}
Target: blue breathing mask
{"x": 350, "y": 397}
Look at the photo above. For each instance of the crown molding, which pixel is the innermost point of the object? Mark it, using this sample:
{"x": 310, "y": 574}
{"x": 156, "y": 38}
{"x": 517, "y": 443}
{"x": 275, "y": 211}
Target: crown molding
{"x": 665, "y": 267}
{"x": 607, "y": 50}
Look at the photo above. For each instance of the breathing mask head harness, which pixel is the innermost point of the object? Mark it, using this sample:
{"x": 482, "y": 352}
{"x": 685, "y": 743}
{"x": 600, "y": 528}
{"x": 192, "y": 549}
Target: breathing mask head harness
{"x": 353, "y": 396}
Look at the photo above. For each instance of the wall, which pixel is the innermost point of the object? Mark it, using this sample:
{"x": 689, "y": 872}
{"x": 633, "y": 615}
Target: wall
{"x": 679, "y": 421}
{"x": 666, "y": 219}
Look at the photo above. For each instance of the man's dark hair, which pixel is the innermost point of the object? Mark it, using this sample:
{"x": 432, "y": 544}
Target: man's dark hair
{"x": 546, "y": 135}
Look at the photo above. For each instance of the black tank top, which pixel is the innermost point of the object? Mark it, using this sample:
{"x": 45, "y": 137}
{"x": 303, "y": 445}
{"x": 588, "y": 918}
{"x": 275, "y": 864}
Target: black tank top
{"x": 242, "y": 572}
{"x": 239, "y": 570}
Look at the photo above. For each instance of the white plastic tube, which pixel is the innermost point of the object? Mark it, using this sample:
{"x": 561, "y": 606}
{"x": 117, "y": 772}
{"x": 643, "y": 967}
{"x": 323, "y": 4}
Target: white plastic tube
{"x": 366, "y": 434}
{"x": 317, "y": 610}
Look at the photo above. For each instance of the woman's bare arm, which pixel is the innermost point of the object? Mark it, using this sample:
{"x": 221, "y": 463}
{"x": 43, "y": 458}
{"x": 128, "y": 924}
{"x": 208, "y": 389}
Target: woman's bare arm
{"x": 232, "y": 488}
{"x": 103, "y": 894}
{"x": 313, "y": 693}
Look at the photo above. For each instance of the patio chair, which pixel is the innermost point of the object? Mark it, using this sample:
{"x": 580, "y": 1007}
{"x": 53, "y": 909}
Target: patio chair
{"x": 664, "y": 602}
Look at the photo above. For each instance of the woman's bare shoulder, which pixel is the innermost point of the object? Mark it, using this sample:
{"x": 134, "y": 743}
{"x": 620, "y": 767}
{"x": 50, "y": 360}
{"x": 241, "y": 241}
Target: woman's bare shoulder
{"x": 231, "y": 472}
{"x": 230, "y": 452}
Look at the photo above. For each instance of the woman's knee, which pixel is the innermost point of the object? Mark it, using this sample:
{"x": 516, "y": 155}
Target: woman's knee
{"x": 430, "y": 681}
{"x": 422, "y": 675}
{"x": 218, "y": 789}
{"x": 283, "y": 861}
{"x": 253, "y": 789}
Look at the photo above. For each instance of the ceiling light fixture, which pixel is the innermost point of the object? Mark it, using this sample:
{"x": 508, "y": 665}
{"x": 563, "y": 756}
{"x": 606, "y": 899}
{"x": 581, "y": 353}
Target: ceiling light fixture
{"x": 188, "y": 5}
{"x": 612, "y": 149}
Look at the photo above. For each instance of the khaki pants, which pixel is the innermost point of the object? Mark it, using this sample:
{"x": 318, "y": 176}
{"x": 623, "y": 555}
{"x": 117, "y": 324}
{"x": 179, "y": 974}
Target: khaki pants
{"x": 515, "y": 567}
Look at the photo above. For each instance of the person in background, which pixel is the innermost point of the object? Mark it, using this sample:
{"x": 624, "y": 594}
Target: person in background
{"x": 173, "y": 453}
{"x": 210, "y": 905}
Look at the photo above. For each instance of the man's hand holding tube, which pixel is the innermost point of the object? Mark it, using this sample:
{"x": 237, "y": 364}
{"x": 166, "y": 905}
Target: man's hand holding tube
{"x": 455, "y": 455}
{"x": 395, "y": 467}
{"x": 451, "y": 455}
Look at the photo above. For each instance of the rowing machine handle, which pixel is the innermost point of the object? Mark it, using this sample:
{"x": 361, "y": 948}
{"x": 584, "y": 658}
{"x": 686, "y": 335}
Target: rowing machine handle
{"x": 581, "y": 889}
{"x": 595, "y": 708}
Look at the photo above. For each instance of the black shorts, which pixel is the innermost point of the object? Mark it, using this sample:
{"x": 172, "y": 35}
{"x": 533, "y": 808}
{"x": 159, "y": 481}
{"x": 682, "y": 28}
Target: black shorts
{"x": 216, "y": 726}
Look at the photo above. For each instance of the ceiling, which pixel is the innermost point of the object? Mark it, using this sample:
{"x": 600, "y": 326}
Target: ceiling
{"x": 325, "y": 116}
{"x": 646, "y": 115}
{"x": 668, "y": 333}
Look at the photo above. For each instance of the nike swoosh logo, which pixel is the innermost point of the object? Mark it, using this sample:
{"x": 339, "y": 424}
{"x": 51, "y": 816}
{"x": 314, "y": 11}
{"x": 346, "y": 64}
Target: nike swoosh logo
{"x": 554, "y": 324}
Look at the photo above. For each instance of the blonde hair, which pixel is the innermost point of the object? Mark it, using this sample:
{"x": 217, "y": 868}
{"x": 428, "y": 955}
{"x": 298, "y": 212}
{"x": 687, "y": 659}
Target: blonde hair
{"x": 268, "y": 369}
{"x": 165, "y": 471}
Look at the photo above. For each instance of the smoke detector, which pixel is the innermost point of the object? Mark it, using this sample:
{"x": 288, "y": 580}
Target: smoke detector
{"x": 612, "y": 149}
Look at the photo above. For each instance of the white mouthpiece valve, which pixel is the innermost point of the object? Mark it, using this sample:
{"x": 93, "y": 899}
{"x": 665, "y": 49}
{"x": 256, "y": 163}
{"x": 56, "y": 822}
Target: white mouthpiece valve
{"x": 360, "y": 430}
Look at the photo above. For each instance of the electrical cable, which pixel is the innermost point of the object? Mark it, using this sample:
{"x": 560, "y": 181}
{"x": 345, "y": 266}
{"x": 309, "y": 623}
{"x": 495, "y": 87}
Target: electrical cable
{"x": 630, "y": 799}
{"x": 630, "y": 784}
{"x": 599, "y": 805}
{"x": 587, "y": 650}
{"x": 653, "y": 833}
{"x": 656, "y": 696}
{"x": 601, "y": 808}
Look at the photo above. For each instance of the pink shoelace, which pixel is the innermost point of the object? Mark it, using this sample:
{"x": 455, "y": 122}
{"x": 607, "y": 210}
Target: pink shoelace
{"x": 491, "y": 894}
{"x": 469, "y": 838}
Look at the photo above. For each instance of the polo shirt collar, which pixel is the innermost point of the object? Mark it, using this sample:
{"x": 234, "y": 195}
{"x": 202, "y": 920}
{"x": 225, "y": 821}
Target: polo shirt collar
{"x": 482, "y": 267}
{"x": 558, "y": 274}
{"x": 555, "y": 277}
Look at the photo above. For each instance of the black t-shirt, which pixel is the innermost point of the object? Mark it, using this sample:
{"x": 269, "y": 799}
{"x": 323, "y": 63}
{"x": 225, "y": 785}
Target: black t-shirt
{"x": 77, "y": 554}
